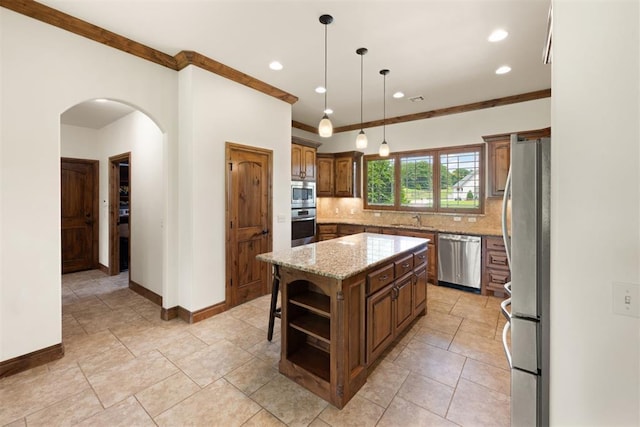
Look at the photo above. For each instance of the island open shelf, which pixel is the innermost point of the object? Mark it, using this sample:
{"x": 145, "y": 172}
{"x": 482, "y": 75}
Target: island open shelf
{"x": 336, "y": 317}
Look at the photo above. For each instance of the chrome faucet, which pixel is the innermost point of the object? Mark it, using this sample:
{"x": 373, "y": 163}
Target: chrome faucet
{"x": 418, "y": 219}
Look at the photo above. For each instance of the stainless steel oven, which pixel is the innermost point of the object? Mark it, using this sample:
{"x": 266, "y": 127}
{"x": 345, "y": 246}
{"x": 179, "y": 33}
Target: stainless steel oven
{"x": 303, "y": 194}
{"x": 303, "y": 226}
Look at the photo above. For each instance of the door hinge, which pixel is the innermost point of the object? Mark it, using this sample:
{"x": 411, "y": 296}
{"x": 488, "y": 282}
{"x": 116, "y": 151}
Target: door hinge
{"x": 230, "y": 224}
{"x": 230, "y": 166}
{"x": 230, "y": 283}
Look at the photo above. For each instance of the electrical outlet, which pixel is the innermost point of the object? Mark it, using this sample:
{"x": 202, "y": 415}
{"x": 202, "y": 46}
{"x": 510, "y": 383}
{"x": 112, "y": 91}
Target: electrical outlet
{"x": 626, "y": 299}
{"x": 471, "y": 219}
{"x": 352, "y": 211}
{"x": 282, "y": 218}
{"x": 337, "y": 210}
{"x": 376, "y": 214}
{"x": 457, "y": 218}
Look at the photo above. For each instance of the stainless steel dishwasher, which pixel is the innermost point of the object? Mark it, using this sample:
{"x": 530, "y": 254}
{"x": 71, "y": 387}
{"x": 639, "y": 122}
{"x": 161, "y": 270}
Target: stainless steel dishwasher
{"x": 459, "y": 260}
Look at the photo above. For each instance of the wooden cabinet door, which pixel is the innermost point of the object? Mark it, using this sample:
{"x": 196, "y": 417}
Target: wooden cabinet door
{"x": 343, "y": 186}
{"x": 499, "y": 161}
{"x": 420, "y": 290}
{"x": 296, "y": 161}
{"x": 403, "y": 302}
{"x": 380, "y": 322}
{"x": 324, "y": 176}
{"x": 308, "y": 163}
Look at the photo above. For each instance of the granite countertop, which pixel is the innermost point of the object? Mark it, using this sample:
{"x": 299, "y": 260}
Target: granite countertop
{"x": 416, "y": 227}
{"x": 345, "y": 256}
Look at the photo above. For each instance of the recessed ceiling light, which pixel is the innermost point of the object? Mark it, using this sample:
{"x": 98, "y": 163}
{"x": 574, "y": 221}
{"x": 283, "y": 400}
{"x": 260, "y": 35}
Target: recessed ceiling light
{"x": 498, "y": 35}
{"x": 275, "y": 65}
{"x": 328, "y": 111}
{"x": 320, "y": 89}
{"x": 398, "y": 95}
{"x": 503, "y": 70}
{"x": 101, "y": 100}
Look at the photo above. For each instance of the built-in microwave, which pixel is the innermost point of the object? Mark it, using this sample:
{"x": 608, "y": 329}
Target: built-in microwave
{"x": 303, "y": 194}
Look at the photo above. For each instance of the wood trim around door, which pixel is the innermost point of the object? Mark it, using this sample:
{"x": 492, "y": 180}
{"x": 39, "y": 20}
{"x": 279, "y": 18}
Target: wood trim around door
{"x": 114, "y": 212}
{"x": 229, "y": 147}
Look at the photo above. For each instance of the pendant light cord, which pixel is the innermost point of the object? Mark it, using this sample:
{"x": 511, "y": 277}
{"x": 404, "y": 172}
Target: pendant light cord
{"x": 384, "y": 108}
{"x": 325, "y": 68}
{"x": 361, "y": 88}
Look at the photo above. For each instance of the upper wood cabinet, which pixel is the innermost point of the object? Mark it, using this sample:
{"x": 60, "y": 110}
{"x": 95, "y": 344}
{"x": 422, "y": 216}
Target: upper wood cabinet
{"x": 499, "y": 158}
{"x": 324, "y": 179}
{"x": 303, "y": 163}
{"x": 338, "y": 174}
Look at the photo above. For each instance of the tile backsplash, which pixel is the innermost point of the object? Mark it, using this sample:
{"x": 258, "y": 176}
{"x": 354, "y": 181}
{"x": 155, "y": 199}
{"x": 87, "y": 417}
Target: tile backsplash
{"x": 351, "y": 210}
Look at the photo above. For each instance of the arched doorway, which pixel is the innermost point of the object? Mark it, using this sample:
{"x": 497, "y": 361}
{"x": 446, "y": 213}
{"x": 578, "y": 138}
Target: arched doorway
{"x": 127, "y": 145}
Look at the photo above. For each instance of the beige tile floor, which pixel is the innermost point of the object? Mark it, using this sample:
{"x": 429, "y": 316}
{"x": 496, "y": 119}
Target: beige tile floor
{"x": 124, "y": 366}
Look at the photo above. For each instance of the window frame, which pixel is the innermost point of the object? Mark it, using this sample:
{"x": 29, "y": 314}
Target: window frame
{"x": 436, "y": 165}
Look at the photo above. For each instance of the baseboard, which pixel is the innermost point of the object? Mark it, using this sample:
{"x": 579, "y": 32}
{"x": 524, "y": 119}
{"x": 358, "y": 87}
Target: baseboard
{"x": 31, "y": 360}
{"x": 169, "y": 313}
{"x": 148, "y": 294}
{"x": 103, "y": 268}
{"x": 204, "y": 313}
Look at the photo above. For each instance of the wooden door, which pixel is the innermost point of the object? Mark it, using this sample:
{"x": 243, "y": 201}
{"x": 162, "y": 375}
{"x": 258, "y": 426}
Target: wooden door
{"x": 79, "y": 214}
{"x": 248, "y": 222}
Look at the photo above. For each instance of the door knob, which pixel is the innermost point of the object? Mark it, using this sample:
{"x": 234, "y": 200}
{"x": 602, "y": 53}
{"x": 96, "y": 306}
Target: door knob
{"x": 265, "y": 231}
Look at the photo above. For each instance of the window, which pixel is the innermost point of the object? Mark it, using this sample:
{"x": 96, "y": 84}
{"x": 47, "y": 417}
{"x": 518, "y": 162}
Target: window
{"x": 439, "y": 180}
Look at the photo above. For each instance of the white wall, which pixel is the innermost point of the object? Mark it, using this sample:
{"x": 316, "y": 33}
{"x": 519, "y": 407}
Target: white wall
{"x": 454, "y": 129}
{"x": 138, "y": 134}
{"x": 44, "y": 71}
{"x": 217, "y": 111}
{"x": 595, "y": 354}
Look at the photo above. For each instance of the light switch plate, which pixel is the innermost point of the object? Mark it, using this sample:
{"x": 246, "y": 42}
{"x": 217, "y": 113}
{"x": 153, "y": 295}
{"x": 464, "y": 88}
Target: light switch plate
{"x": 282, "y": 218}
{"x": 626, "y": 299}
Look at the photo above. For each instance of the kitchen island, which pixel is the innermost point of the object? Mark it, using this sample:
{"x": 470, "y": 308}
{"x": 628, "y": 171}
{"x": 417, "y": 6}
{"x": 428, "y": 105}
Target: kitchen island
{"x": 343, "y": 302}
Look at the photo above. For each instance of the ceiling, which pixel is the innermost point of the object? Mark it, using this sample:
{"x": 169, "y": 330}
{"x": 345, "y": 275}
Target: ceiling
{"x": 95, "y": 114}
{"x": 436, "y": 49}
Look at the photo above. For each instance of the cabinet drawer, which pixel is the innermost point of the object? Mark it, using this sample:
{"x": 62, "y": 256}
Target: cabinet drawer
{"x": 322, "y": 237}
{"x": 494, "y": 244}
{"x": 420, "y": 257}
{"x": 496, "y": 280}
{"x": 497, "y": 259}
{"x": 403, "y": 265}
{"x": 346, "y": 229}
{"x": 327, "y": 228}
{"x": 379, "y": 278}
{"x": 498, "y": 277}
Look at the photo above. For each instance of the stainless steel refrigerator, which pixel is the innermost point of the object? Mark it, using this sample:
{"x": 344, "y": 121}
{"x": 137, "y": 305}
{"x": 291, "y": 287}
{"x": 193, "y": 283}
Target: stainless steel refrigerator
{"x": 527, "y": 309}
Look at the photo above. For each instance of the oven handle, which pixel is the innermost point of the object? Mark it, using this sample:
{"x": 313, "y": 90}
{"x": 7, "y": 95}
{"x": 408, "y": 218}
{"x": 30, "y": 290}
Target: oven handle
{"x": 303, "y": 219}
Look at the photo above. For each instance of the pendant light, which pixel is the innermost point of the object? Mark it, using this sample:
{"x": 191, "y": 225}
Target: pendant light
{"x": 384, "y": 147}
{"x": 325, "y": 128}
{"x": 361, "y": 139}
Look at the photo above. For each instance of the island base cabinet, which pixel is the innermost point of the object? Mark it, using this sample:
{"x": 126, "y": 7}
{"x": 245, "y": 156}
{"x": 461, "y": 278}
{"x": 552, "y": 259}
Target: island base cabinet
{"x": 380, "y": 322}
{"x": 323, "y": 322}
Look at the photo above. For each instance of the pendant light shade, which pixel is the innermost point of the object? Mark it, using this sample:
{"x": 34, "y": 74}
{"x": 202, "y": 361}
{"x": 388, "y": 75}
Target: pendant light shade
{"x": 361, "y": 139}
{"x": 384, "y": 147}
{"x": 325, "y": 128}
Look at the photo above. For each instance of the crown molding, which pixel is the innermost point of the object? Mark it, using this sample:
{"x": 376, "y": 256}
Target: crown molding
{"x": 497, "y": 102}
{"x": 85, "y": 29}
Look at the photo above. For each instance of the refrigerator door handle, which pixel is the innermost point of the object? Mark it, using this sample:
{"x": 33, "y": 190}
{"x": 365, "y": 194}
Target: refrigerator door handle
{"x": 505, "y": 231}
{"x": 503, "y": 307}
{"x": 507, "y": 353}
{"x": 507, "y": 287}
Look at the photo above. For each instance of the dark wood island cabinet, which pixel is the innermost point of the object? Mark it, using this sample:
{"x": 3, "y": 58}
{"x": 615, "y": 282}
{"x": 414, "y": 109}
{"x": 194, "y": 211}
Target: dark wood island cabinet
{"x": 343, "y": 302}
